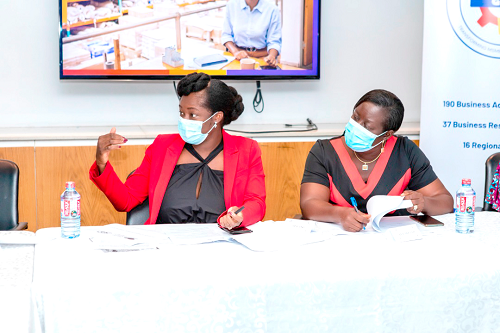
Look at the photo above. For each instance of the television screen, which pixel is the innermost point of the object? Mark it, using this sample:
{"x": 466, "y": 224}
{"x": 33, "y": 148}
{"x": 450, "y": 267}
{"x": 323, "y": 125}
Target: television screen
{"x": 167, "y": 39}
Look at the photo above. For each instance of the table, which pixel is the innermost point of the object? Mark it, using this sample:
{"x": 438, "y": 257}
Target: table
{"x": 16, "y": 272}
{"x": 446, "y": 282}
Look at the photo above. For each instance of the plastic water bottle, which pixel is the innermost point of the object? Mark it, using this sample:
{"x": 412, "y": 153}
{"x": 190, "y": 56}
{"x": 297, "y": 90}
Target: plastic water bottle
{"x": 70, "y": 212}
{"x": 465, "y": 208}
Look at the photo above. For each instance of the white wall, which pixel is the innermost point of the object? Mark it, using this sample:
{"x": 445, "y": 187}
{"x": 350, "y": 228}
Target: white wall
{"x": 365, "y": 45}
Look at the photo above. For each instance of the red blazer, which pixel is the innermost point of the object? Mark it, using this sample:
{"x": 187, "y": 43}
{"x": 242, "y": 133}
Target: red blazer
{"x": 243, "y": 177}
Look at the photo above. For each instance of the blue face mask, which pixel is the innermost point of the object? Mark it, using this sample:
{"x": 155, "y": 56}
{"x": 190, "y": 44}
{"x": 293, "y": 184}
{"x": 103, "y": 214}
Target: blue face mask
{"x": 359, "y": 138}
{"x": 190, "y": 130}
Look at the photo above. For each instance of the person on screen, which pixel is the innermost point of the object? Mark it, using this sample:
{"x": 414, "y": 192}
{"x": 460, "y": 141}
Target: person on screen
{"x": 367, "y": 160}
{"x": 252, "y": 28}
{"x": 202, "y": 174}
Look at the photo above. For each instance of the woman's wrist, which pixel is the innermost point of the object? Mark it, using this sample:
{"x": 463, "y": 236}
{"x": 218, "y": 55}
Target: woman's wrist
{"x": 101, "y": 167}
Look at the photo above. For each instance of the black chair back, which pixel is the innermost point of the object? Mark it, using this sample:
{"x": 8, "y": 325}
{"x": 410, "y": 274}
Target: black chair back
{"x": 9, "y": 189}
{"x": 491, "y": 166}
{"x": 140, "y": 213}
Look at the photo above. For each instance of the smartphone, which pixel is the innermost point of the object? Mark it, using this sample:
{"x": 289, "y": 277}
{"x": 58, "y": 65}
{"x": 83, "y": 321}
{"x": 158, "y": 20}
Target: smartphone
{"x": 426, "y": 220}
{"x": 237, "y": 231}
{"x": 270, "y": 67}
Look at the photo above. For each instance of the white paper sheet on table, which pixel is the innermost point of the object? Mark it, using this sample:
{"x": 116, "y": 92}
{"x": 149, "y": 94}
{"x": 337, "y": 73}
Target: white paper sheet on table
{"x": 191, "y": 233}
{"x": 281, "y": 235}
{"x": 379, "y": 205}
{"x": 117, "y": 237}
{"x": 17, "y": 238}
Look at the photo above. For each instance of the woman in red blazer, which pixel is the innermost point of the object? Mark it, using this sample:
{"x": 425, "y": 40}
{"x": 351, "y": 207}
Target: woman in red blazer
{"x": 201, "y": 174}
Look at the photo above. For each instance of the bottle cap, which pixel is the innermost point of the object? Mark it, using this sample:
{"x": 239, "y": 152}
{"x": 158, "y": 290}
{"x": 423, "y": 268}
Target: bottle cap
{"x": 466, "y": 181}
{"x": 70, "y": 185}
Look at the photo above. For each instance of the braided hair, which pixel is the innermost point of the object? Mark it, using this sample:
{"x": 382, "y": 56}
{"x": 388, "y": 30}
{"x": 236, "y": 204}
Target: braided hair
{"x": 218, "y": 95}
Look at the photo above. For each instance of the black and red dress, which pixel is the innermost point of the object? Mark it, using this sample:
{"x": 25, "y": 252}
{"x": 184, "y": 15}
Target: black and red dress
{"x": 401, "y": 166}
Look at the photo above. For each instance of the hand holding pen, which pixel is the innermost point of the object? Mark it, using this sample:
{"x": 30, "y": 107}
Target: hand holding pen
{"x": 353, "y": 220}
{"x": 233, "y": 218}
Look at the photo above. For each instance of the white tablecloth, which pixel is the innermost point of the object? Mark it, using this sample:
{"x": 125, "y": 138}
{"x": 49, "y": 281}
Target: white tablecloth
{"x": 446, "y": 282}
{"x": 16, "y": 273}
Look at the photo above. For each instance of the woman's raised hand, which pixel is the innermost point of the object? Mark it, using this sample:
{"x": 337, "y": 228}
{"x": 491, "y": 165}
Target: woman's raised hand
{"x": 105, "y": 145}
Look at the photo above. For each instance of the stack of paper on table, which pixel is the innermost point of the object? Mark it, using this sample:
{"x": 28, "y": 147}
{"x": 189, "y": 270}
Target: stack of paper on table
{"x": 117, "y": 237}
{"x": 281, "y": 235}
{"x": 17, "y": 238}
{"x": 379, "y": 205}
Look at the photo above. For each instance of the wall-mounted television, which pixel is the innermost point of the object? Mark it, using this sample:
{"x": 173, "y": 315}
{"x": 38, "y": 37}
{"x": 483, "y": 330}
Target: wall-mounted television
{"x": 168, "y": 39}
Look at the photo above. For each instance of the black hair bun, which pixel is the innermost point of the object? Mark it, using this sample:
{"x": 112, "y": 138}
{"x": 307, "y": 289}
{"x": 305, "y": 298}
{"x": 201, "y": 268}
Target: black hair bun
{"x": 238, "y": 107}
{"x": 193, "y": 82}
{"x": 218, "y": 95}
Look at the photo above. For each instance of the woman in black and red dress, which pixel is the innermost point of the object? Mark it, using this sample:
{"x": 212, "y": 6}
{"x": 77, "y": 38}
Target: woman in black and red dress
{"x": 367, "y": 160}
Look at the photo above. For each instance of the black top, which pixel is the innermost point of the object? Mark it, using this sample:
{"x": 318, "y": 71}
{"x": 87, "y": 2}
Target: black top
{"x": 401, "y": 166}
{"x": 180, "y": 204}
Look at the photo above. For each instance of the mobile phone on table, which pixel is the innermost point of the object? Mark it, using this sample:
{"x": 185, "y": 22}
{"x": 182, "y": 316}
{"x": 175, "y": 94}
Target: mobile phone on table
{"x": 237, "y": 231}
{"x": 426, "y": 220}
{"x": 270, "y": 67}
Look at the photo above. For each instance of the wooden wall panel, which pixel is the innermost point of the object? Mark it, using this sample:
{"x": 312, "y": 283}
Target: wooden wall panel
{"x": 283, "y": 166}
{"x": 56, "y": 165}
{"x": 24, "y": 157}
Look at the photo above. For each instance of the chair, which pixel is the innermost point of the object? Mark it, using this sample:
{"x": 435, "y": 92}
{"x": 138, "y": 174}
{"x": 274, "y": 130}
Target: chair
{"x": 140, "y": 213}
{"x": 491, "y": 166}
{"x": 9, "y": 192}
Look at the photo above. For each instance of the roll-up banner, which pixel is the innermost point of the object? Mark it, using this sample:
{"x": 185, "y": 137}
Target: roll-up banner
{"x": 460, "y": 119}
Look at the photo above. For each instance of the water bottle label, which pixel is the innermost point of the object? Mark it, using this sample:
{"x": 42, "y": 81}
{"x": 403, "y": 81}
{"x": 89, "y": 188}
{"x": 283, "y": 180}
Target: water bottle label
{"x": 466, "y": 204}
{"x": 70, "y": 208}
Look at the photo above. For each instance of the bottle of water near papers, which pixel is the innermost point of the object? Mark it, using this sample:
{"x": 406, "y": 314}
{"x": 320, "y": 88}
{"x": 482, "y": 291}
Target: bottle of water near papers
{"x": 465, "y": 208}
{"x": 70, "y": 212}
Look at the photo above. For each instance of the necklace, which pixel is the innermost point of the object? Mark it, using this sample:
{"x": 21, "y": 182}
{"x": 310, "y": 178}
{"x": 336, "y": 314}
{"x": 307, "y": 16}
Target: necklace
{"x": 364, "y": 167}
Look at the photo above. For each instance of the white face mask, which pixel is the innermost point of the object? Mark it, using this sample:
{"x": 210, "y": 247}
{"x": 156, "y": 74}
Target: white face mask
{"x": 190, "y": 130}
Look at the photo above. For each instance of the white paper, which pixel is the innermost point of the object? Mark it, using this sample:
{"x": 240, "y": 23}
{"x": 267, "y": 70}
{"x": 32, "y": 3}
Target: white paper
{"x": 274, "y": 236}
{"x": 116, "y": 237}
{"x": 188, "y": 234}
{"x": 379, "y": 205}
{"x": 17, "y": 238}
{"x": 406, "y": 233}
{"x": 390, "y": 222}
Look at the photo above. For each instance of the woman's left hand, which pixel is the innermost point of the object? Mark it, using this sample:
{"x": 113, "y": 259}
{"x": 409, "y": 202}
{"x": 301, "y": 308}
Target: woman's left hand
{"x": 271, "y": 60}
{"x": 417, "y": 199}
{"x": 231, "y": 220}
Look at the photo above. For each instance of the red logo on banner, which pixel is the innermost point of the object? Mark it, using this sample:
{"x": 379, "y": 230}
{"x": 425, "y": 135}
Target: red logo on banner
{"x": 487, "y": 17}
{"x": 78, "y": 207}
{"x": 66, "y": 207}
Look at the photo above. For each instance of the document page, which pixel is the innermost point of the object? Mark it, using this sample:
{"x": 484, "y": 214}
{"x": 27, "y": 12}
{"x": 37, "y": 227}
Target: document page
{"x": 379, "y": 205}
{"x": 121, "y": 237}
{"x": 17, "y": 238}
{"x": 280, "y": 235}
{"x": 194, "y": 233}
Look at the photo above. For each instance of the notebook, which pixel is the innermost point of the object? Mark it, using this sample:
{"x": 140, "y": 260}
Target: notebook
{"x": 209, "y": 60}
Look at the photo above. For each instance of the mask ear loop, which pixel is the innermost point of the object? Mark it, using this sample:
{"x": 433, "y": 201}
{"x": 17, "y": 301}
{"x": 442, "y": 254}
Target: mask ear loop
{"x": 215, "y": 122}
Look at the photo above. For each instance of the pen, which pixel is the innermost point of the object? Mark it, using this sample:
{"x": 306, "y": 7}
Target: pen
{"x": 239, "y": 210}
{"x": 231, "y": 214}
{"x": 236, "y": 212}
{"x": 355, "y": 205}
